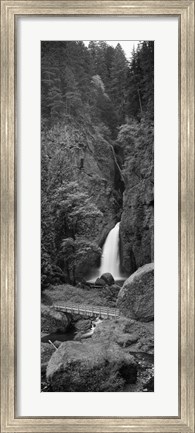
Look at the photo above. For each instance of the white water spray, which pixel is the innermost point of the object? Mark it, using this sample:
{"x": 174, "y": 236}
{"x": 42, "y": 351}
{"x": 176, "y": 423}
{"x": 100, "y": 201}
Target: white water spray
{"x": 110, "y": 261}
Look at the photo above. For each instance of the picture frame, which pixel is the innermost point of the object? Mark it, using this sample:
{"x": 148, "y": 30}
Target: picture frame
{"x": 10, "y": 422}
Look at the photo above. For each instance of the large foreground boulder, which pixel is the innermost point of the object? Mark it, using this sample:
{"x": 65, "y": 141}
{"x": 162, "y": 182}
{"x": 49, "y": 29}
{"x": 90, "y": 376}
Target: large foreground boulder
{"x": 90, "y": 366}
{"x": 136, "y": 297}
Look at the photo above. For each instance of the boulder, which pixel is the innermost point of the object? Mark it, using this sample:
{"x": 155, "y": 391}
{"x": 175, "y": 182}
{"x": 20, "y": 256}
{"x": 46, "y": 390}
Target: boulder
{"x": 46, "y": 352}
{"x": 136, "y": 297}
{"x": 83, "y": 325}
{"x": 127, "y": 340}
{"x": 109, "y": 294}
{"x": 57, "y": 343}
{"x": 78, "y": 336}
{"x": 100, "y": 282}
{"x": 108, "y": 278}
{"x": 136, "y": 336}
{"x": 114, "y": 288}
{"x": 53, "y": 321}
{"x": 90, "y": 366}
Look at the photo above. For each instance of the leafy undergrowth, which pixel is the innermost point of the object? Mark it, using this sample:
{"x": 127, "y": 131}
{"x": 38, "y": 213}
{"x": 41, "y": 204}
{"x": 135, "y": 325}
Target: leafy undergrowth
{"x": 77, "y": 295}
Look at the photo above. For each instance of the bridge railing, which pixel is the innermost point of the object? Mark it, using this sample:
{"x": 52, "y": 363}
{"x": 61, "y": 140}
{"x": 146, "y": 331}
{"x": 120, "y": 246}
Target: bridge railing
{"x": 88, "y": 310}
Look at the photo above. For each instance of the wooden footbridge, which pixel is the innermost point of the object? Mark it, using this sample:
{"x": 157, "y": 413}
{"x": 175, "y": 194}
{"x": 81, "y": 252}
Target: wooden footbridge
{"x": 88, "y": 310}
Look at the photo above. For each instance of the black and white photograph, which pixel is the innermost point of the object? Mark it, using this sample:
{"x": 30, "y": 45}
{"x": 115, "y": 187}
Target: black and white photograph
{"x": 97, "y": 216}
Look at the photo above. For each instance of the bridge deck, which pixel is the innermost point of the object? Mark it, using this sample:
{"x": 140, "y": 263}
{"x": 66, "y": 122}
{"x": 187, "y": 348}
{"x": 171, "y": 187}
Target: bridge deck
{"x": 87, "y": 310}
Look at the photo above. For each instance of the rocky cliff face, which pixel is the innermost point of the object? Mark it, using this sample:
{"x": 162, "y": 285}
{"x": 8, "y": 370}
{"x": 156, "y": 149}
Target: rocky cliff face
{"x": 100, "y": 176}
{"x": 81, "y": 155}
{"x": 137, "y": 221}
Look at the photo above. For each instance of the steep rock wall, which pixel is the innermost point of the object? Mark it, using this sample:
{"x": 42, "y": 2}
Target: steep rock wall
{"x": 82, "y": 155}
{"x": 90, "y": 161}
{"x": 137, "y": 221}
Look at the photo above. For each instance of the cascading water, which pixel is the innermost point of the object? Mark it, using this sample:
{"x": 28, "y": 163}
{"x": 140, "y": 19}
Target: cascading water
{"x": 110, "y": 261}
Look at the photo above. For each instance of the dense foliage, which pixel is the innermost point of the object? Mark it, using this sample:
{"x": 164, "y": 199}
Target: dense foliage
{"x": 93, "y": 101}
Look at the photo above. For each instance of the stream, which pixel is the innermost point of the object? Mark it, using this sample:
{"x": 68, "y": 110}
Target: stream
{"x": 67, "y": 336}
{"x": 70, "y": 335}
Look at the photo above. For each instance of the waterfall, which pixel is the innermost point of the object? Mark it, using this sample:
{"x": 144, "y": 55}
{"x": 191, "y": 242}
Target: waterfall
{"x": 110, "y": 261}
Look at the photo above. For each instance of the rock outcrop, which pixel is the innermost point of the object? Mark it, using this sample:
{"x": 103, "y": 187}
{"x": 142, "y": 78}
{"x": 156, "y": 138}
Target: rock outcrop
{"x": 136, "y": 297}
{"x": 91, "y": 366}
{"x": 89, "y": 159}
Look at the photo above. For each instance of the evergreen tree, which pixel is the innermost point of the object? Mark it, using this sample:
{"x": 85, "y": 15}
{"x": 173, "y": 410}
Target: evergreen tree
{"x": 140, "y": 82}
{"x": 74, "y": 253}
{"x": 118, "y": 75}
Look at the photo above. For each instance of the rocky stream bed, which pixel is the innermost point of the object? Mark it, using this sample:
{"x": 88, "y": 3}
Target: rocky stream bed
{"x": 117, "y": 356}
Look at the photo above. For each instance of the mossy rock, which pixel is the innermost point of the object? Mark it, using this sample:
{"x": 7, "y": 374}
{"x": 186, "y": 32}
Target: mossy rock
{"x": 90, "y": 366}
